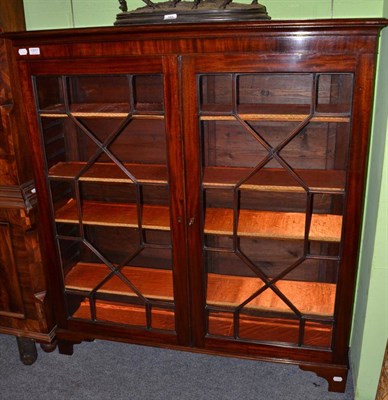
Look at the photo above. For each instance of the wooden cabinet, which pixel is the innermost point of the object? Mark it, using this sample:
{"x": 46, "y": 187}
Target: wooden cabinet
{"x": 201, "y": 185}
{"x": 24, "y": 311}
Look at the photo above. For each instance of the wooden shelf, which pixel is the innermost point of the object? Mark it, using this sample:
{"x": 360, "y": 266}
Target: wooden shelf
{"x": 256, "y": 108}
{"x": 311, "y": 298}
{"x": 273, "y": 112}
{"x": 113, "y": 214}
{"x": 220, "y": 324}
{"x": 267, "y": 179}
{"x": 275, "y": 118}
{"x": 218, "y": 221}
{"x": 104, "y": 110}
{"x": 109, "y": 172}
{"x": 262, "y": 112}
{"x": 275, "y": 180}
{"x": 274, "y": 224}
{"x": 128, "y": 314}
{"x": 270, "y": 329}
{"x": 152, "y": 283}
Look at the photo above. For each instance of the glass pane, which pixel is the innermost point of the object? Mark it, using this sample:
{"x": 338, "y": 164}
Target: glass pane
{"x": 275, "y": 89}
{"x": 148, "y": 93}
{"x": 95, "y": 88}
{"x": 216, "y": 93}
{"x": 50, "y": 97}
{"x": 274, "y": 179}
{"x": 106, "y": 155}
{"x": 99, "y": 93}
{"x": 335, "y": 93}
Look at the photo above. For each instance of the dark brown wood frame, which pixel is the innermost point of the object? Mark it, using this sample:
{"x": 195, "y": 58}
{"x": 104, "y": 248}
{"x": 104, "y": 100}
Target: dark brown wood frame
{"x": 179, "y": 52}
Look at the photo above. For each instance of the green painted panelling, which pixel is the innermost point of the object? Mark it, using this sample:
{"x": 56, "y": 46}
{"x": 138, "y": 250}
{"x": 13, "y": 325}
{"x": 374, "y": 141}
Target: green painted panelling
{"x": 370, "y": 324}
{"x": 357, "y": 8}
{"x": 375, "y": 335}
{"x": 95, "y": 12}
{"x": 133, "y": 4}
{"x": 302, "y": 9}
{"x": 48, "y": 14}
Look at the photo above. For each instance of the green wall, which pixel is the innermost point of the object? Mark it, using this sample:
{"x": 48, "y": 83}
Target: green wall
{"x": 46, "y": 14}
{"x": 370, "y": 320}
{"x": 370, "y": 325}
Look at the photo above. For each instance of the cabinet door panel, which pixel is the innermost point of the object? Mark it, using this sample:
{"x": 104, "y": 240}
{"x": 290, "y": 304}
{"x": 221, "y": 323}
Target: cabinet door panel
{"x": 11, "y": 303}
{"x": 105, "y": 137}
{"x": 272, "y": 157}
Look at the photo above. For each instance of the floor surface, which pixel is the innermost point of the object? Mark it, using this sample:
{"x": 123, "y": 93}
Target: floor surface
{"x": 118, "y": 371}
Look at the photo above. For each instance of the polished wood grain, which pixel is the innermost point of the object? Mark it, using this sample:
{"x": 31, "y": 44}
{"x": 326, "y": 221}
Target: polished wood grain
{"x": 110, "y": 214}
{"x": 128, "y": 315}
{"x": 270, "y": 329}
{"x": 103, "y": 110}
{"x": 218, "y": 221}
{"x": 266, "y": 179}
{"x": 152, "y": 283}
{"x": 221, "y": 325}
{"x": 107, "y": 172}
{"x": 89, "y": 110}
{"x": 271, "y": 224}
{"x": 26, "y": 313}
{"x": 197, "y": 38}
{"x": 274, "y": 117}
{"x": 274, "y": 180}
{"x": 11, "y": 302}
{"x": 12, "y": 16}
{"x": 310, "y": 298}
{"x": 100, "y": 115}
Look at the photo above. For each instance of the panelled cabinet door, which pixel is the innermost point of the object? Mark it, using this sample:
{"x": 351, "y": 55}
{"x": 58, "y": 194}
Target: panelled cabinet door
{"x": 11, "y": 302}
{"x": 269, "y": 185}
{"x": 114, "y": 196}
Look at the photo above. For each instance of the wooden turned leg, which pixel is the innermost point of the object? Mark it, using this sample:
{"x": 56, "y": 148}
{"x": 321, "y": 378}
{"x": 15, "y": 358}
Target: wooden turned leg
{"x": 65, "y": 347}
{"x": 335, "y": 376}
{"x": 49, "y": 347}
{"x": 27, "y": 350}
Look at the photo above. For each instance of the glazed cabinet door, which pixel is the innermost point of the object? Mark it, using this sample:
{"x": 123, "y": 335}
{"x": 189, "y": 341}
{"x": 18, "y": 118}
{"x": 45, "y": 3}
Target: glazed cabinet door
{"x": 267, "y": 141}
{"x": 111, "y": 162}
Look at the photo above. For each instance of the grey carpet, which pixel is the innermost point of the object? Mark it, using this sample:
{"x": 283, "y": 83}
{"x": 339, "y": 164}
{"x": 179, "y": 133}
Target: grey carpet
{"x": 117, "y": 371}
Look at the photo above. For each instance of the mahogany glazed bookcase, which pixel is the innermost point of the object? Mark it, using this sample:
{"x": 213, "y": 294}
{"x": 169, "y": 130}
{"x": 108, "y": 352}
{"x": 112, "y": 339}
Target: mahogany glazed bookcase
{"x": 200, "y": 186}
